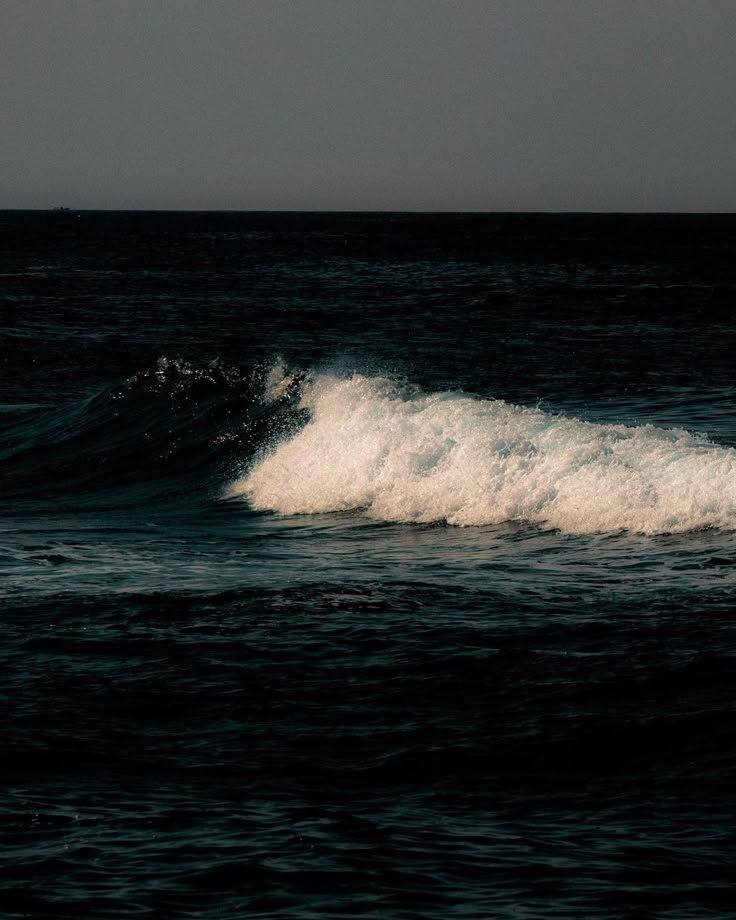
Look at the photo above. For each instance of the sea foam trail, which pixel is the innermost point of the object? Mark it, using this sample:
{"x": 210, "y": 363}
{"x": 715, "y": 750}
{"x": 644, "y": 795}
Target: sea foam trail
{"x": 406, "y": 456}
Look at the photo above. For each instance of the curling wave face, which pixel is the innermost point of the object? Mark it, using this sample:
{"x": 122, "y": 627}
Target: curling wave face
{"x": 401, "y": 455}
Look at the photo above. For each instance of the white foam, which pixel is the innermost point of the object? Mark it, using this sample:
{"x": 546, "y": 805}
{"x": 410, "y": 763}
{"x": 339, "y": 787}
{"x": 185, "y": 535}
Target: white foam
{"x": 278, "y": 383}
{"x": 407, "y": 456}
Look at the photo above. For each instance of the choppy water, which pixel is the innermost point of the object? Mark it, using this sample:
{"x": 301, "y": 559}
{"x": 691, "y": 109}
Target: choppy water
{"x": 375, "y": 565}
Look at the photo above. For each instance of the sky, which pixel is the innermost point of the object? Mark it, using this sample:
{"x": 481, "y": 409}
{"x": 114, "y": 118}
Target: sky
{"x": 426, "y": 105}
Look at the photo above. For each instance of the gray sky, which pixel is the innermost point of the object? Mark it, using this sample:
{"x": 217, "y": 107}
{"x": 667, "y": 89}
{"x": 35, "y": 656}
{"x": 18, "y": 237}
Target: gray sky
{"x": 369, "y": 104}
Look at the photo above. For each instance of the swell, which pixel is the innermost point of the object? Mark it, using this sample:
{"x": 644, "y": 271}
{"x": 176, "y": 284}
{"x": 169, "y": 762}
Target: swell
{"x": 402, "y": 455}
{"x": 175, "y": 429}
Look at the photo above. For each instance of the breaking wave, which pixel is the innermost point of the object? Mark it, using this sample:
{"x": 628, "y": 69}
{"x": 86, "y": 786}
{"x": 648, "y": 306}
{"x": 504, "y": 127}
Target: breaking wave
{"x": 402, "y": 455}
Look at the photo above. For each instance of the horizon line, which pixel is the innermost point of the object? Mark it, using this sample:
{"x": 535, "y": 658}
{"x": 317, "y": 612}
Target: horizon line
{"x": 63, "y": 209}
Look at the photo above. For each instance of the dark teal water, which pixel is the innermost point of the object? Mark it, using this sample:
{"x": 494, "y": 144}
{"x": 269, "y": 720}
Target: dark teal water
{"x": 247, "y": 666}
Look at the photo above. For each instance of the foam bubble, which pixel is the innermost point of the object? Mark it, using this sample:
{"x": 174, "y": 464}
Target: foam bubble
{"x": 401, "y": 455}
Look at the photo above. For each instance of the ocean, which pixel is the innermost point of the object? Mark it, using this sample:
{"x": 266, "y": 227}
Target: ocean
{"x": 375, "y": 564}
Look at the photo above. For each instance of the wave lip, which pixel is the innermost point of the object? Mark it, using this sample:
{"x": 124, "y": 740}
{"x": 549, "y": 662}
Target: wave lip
{"x": 404, "y": 456}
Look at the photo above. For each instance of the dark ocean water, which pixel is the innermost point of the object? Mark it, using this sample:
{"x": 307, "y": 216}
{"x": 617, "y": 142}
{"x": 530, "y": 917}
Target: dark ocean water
{"x": 368, "y": 565}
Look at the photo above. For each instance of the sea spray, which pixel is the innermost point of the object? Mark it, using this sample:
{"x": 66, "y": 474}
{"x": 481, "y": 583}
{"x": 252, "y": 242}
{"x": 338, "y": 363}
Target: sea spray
{"x": 401, "y": 455}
